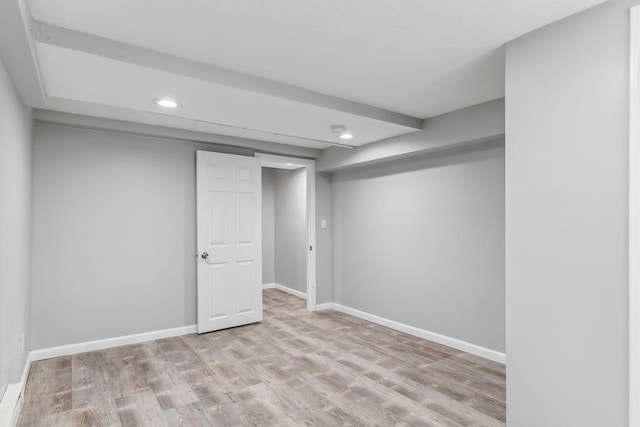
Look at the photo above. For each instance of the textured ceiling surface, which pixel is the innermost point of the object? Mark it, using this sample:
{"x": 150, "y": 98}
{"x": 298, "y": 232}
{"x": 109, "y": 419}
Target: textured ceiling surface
{"x": 417, "y": 57}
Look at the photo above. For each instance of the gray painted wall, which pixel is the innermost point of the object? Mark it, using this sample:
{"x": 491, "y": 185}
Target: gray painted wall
{"x": 114, "y": 234}
{"x": 421, "y": 241}
{"x": 268, "y": 226}
{"x": 291, "y": 228}
{"x": 324, "y": 240}
{"x": 15, "y": 231}
{"x": 567, "y": 96}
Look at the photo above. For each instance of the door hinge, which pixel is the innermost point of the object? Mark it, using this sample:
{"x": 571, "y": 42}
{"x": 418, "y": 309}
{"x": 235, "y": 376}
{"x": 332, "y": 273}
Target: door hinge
{"x": 310, "y": 248}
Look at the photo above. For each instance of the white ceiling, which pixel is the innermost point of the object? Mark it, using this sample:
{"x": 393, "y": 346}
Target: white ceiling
{"x": 259, "y": 67}
{"x": 122, "y": 85}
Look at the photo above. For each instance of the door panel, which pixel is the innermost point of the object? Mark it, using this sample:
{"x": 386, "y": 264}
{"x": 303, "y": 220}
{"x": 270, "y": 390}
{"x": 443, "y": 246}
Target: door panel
{"x": 217, "y": 290}
{"x": 245, "y": 276}
{"x": 245, "y": 210}
{"x": 229, "y": 240}
{"x": 217, "y": 218}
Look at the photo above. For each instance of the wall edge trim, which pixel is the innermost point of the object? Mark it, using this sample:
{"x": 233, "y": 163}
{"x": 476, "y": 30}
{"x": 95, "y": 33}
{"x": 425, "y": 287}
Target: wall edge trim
{"x": 325, "y": 306}
{"x": 12, "y": 400}
{"x": 467, "y": 347}
{"x": 286, "y": 289}
{"x": 71, "y": 349}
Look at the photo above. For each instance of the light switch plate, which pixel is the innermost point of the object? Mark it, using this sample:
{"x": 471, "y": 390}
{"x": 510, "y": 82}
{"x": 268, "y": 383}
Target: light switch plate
{"x": 323, "y": 223}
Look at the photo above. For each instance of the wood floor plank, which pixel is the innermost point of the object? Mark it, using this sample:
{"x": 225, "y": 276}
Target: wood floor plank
{"x": 48, "y": 388}
{"x": 140, "y": 409}
{"x": 82, "y": 417}
{"x": 92, "y": 398}
{"x": 294, "y": 368}
{"x": 372, "y": 361}
{"x": 230, "y": 414}
{"x": 123, "y": 374}
{"x": 192, "y": 415}
{"x": 169, "y": 386}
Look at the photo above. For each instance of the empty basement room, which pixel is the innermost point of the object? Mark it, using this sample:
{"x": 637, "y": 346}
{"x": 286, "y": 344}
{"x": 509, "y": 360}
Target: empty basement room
{"x": 319, "y": 213}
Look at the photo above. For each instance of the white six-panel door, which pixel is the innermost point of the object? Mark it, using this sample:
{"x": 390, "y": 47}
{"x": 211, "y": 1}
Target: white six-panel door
{"x": 229, "y": 210}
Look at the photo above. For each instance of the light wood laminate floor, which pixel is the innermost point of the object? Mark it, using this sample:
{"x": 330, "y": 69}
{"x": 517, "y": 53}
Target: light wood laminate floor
{"x": 294, "y": 368}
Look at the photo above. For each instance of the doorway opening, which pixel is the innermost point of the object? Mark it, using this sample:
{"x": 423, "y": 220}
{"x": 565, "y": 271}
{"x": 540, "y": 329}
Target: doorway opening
{"x": 289, "y": 260}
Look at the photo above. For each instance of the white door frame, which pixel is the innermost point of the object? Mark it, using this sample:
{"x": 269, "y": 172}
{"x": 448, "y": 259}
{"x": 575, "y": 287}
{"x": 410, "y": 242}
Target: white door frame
{"x": 310, "y": 166}
{"x": 634, "y": 221}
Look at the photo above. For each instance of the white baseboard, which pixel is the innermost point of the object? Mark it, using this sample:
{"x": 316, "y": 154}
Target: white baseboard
{"x": 10, "y": 405}
{"x": 467, "y": 347}
{"x": 12, "y": 400}
{"x": 325, "y": 306}
{"x": 67, "y": 350}
{"x": 283, "y": 288}
{"x": 25, "y": 373}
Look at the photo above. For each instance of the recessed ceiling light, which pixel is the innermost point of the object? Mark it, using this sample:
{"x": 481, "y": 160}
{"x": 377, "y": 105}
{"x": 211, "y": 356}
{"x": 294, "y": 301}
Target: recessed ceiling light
{"x": 341, "y": 132}
{"x": 166, "y": 102}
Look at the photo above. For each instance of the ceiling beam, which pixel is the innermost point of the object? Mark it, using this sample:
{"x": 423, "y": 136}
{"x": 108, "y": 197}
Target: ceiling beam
{"x": 17, "y": 51}
{"x": 49, "y": 117}
{"x": 95, "y": 45}
{"x": 479, "y": 124}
